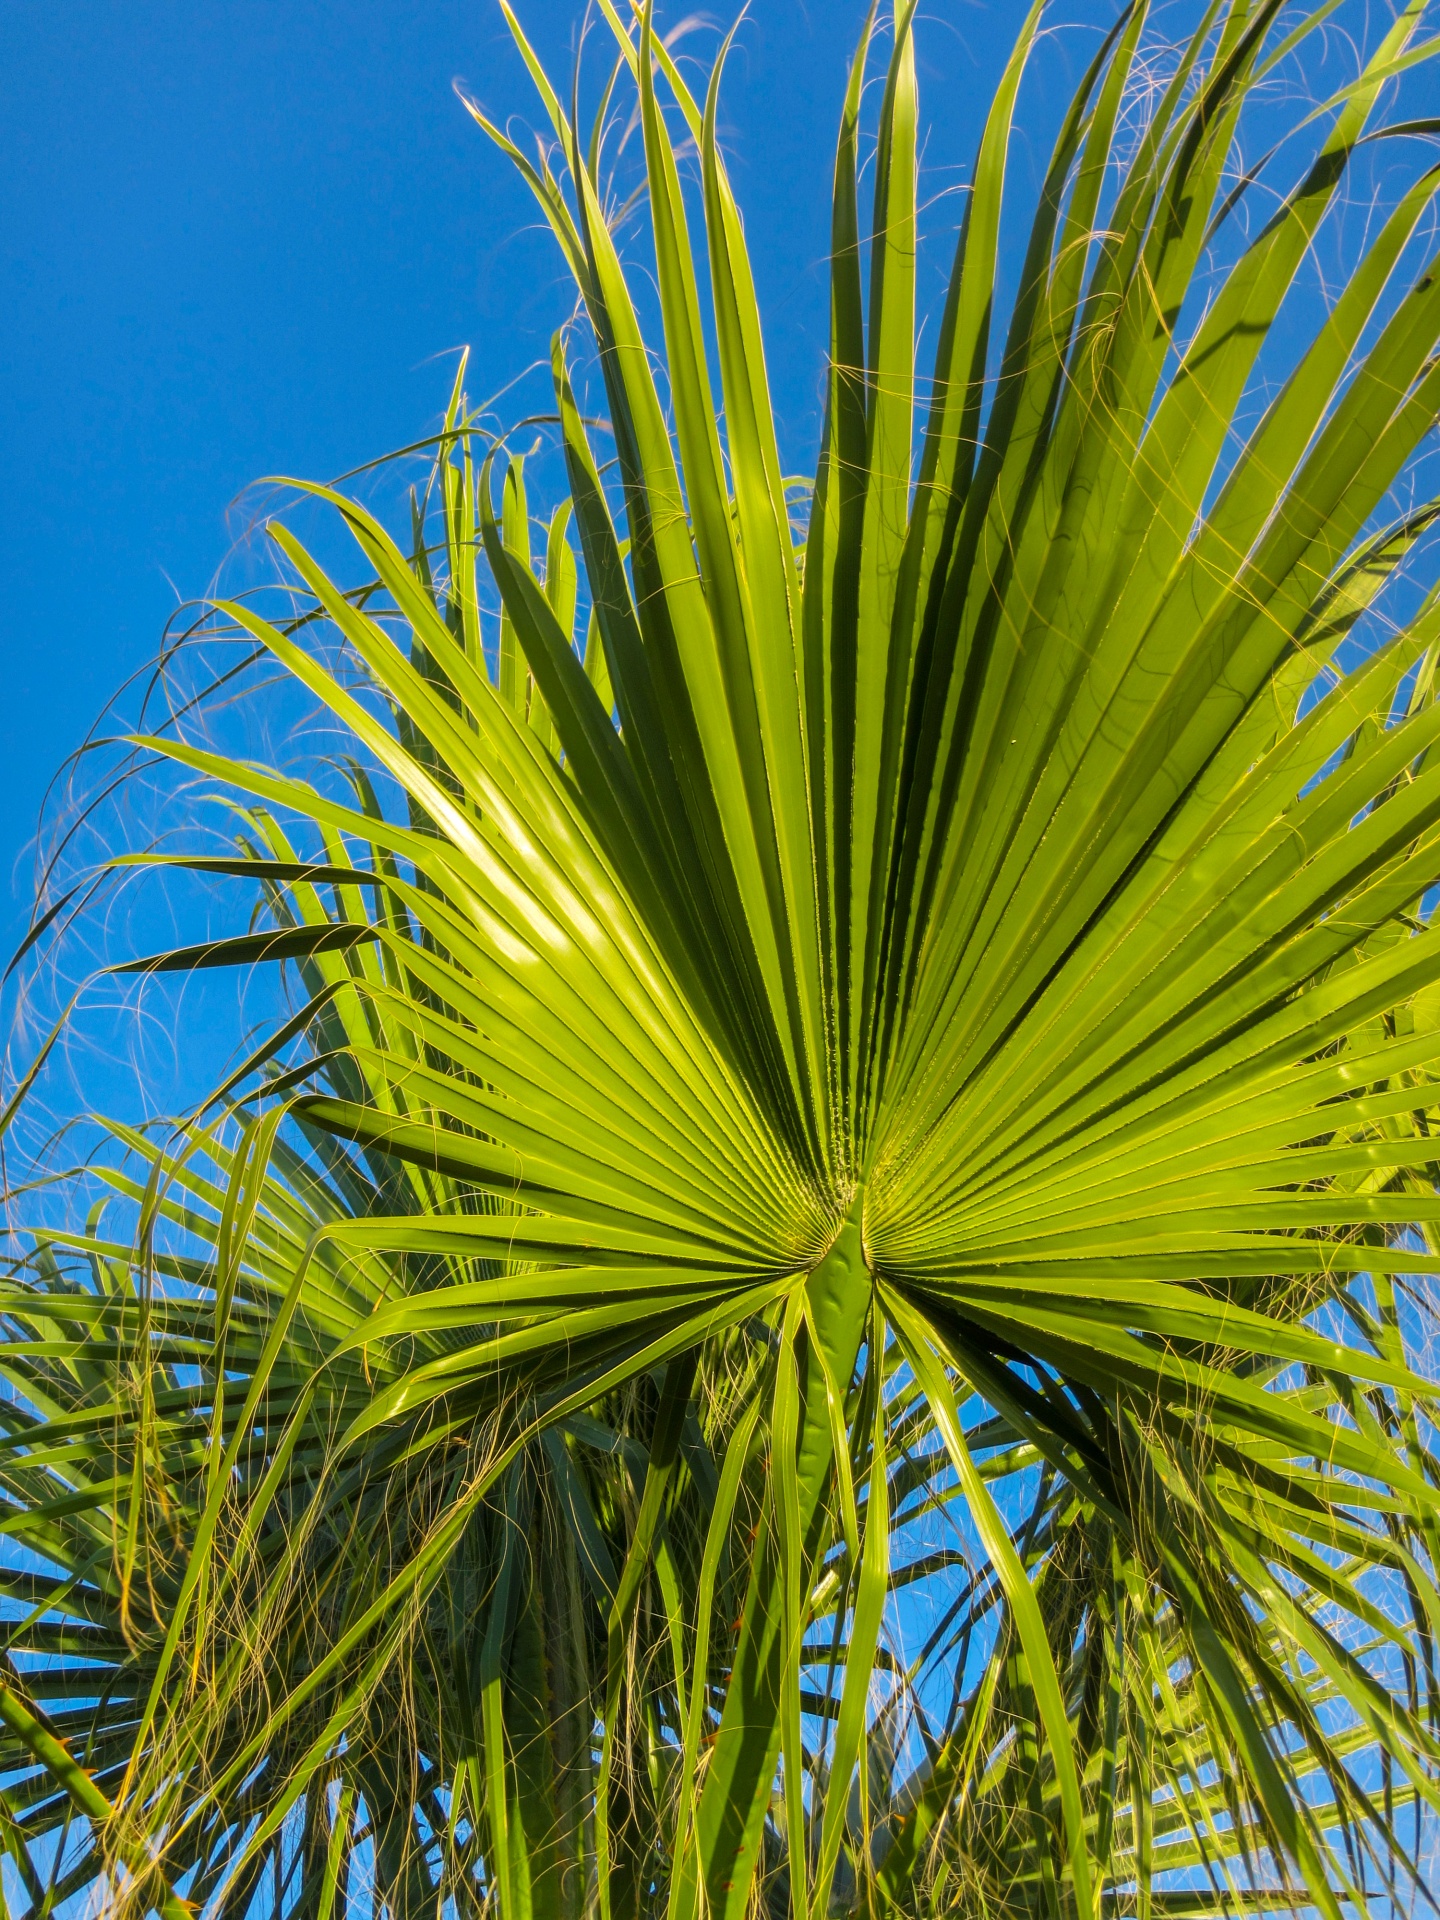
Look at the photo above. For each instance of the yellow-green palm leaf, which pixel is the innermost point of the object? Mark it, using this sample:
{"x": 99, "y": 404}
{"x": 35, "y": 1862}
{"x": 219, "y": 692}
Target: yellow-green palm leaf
{"x": 846, "y": 1085}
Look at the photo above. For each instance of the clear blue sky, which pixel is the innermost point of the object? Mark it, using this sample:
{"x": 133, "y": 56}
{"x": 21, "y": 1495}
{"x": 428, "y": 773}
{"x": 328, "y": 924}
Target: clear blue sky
{"x": 242, "y": 236}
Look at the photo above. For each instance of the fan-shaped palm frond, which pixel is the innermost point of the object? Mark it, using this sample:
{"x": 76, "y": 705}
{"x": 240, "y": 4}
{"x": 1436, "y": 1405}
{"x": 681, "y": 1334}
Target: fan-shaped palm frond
{"x": 828, "y": 1311}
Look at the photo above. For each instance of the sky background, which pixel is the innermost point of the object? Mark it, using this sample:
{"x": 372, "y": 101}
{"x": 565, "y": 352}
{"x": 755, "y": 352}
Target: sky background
{"x": 245, "y": 239}
{"x": 240, "y": 239}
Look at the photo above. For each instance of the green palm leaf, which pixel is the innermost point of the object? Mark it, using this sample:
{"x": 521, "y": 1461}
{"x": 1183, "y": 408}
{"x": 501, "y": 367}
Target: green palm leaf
{"x": 822, "y": 1299}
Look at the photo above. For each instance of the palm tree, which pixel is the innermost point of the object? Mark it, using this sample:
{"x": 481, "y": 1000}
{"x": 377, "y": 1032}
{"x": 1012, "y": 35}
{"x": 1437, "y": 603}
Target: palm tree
{"x": 819, "y": 1300}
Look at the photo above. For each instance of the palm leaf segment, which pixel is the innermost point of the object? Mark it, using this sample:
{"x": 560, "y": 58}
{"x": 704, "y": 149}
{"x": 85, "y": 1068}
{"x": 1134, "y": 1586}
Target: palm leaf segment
{"x": 909, "y": 1023}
